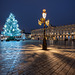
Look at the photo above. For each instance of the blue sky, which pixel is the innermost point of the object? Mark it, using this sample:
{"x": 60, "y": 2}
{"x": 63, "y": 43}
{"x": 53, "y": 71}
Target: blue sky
{"x": 27, "y": 12}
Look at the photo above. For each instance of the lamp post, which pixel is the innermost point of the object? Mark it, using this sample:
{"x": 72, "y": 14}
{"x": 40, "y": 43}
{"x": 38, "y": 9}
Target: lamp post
{"x": 43, "y": 21}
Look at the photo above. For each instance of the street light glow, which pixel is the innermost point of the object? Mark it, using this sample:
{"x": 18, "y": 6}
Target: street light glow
{"x": 39, "y": 22}
{"x": 44, "y": 21}
{"x": 47, "y": 22}
{"x": 44, "y": 14}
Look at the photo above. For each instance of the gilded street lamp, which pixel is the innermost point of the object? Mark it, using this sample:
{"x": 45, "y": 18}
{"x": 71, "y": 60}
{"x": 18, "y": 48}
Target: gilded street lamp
{"x": 43, "y": 21}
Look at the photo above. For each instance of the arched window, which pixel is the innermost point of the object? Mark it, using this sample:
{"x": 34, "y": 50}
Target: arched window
{"x": 59, "y": 31}
{"x": 72, "y": 31}
{"x": 62, "y": 37}
{"x": 72, "y": 37}
{"x": 59, "y": 37}
{"x": 69, "y": 32}
{"x": 62, "y": 31}
{"x": 56, "y": 32}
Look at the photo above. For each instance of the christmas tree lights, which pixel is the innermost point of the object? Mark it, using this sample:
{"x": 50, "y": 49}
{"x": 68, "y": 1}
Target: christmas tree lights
{"x": 11, "y": 27}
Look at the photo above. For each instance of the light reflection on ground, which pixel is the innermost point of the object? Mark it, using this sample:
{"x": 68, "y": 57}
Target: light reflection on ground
{"x": 16, "y": 56}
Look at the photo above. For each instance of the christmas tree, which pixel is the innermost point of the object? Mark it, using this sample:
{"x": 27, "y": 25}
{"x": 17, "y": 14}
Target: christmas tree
{"x": 11, "y": 27}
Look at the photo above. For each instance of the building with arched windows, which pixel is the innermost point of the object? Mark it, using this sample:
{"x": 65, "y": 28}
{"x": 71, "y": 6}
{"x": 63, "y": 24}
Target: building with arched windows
{"x": 66, "y": 32}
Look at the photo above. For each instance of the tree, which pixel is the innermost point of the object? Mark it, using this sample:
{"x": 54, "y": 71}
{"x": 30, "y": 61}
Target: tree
{"x": 11, "y": 27}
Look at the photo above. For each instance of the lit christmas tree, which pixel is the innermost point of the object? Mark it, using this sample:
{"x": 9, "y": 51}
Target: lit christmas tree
{"x": 11, "y": 27}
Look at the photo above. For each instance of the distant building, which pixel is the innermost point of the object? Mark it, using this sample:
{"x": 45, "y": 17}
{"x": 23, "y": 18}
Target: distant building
{"x": 55, "y": 33}
{"x": 25, "y": 35}
{"x": 28, "y": 35}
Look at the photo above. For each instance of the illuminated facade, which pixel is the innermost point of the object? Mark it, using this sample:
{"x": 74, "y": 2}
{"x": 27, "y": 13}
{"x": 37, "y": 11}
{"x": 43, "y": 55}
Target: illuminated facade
{"x": 66, "y": 32}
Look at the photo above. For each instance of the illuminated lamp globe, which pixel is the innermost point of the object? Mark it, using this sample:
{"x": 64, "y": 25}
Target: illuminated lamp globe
{"x": 44, "y": 14}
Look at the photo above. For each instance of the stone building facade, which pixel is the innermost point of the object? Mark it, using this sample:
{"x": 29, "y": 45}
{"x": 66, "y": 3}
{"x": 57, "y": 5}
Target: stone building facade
{"x": 66, "y": 32}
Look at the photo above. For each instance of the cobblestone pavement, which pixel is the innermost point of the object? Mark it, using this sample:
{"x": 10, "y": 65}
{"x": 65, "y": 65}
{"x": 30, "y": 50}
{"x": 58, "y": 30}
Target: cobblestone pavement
{"x": 32, "y": 60}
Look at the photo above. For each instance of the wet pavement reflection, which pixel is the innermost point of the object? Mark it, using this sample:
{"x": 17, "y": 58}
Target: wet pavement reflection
{"x": 65, "y": 44}
{"x": 16, "y": 56}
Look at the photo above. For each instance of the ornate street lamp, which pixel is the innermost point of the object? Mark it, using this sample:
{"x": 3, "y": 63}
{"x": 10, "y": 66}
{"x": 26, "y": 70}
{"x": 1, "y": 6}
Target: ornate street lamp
{"x": 43, "y": 21}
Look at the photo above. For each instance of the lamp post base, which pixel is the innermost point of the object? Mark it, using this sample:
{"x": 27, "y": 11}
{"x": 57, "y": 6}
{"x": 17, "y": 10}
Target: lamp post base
{"x": 44, "y": 46}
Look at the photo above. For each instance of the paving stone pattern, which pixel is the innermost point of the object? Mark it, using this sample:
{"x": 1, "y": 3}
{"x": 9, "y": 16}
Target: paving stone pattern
{"x": 32, "y": 60}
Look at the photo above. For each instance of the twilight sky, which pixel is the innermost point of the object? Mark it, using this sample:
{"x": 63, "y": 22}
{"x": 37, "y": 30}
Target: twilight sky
{"x": 27, "y": 12}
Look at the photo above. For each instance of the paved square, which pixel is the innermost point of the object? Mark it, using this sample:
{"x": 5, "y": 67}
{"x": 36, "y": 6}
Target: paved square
{"x": 32, "y": 60}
